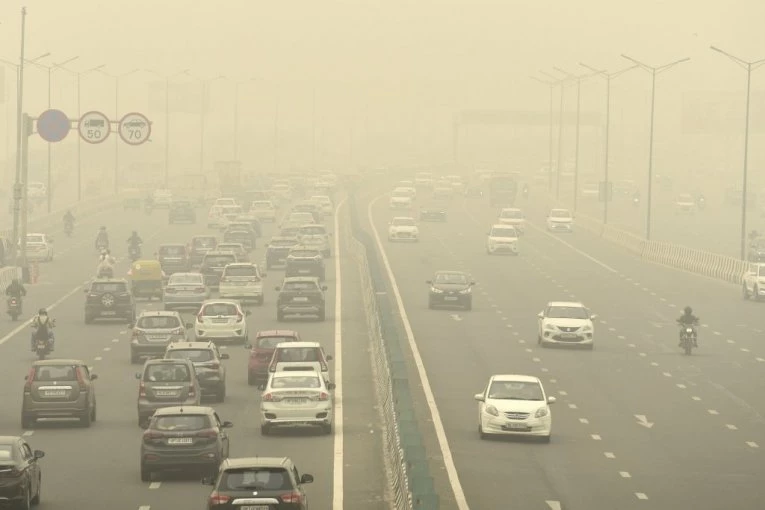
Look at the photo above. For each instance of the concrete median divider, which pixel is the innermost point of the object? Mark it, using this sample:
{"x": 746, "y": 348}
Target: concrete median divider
{"x": 407, "y": 467}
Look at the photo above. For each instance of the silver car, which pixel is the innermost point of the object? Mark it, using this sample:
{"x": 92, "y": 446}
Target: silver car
{"x": 296, "y": 398}
{"x": 152, "y": 333}
{"x": 185, "y": 290}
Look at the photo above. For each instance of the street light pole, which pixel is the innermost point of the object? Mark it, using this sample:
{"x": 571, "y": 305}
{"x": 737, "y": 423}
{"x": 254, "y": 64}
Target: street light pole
{"x": 606, "y": 184}
{"x": 19, "y": 189}
{"x": 236, "y": 116}
{"x": 167, "y": 118}
{"x": 749, "y": 67}
{"x": 117, "y": 78}
{"x": 205, "y": 84}
{"x": 560, "y": 132}
{"x": 654, "y": 71}
{"x": 550, "y": 150}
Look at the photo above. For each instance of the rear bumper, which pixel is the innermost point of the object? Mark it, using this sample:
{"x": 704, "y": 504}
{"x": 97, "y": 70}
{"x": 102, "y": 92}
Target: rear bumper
{"x": 41, "y": 409}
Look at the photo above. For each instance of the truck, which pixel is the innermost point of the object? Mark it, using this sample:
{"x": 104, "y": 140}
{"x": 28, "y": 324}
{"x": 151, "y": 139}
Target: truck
{"x": 503, "y": 188}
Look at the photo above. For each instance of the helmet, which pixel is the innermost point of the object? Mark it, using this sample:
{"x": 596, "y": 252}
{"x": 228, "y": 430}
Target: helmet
{"x": 102, "y": 228}
{"x": 42, "y": 311}
{"x": 688, "y": 310}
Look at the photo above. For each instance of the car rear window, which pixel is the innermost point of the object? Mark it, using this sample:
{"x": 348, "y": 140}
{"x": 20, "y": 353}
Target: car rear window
{"x": 216, "y": 309}
{"x": 167, "y": 372}
{"x": 35, "y": 239}
{"x": 237, "y": 233}
{"x": 55, "y": 373}
{"x": 235, "y": 247}
{"x": 260, "y": 478}
{"x": 181, "y": 422}
{"x": 204, "y": 242}
{"x": 270, "y": 342}
{"x": 109, "y": 287}
{"x": 313, "y": 230}
{"x": 241, "y": 271}
{"x": 298, "y": 354}
{"x": 220, "y": 260}
{"x": 295, "y": 381}
{"x": 303, "y": 253}
{"x": 296, "y": 286}
{"x": 185, "y": 279}
{"x": 159, "y": 322}
{"x": 173, "y": 251}
{"x": 193, "y": 355}
{"x": 282, "y": 243}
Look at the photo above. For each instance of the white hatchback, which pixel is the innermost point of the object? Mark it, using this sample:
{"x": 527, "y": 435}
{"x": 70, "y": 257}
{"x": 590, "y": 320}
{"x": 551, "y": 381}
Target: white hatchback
{"x": 403, "y": 228}
{"x": 400, "y": 198}
{"x": 502, "y": 239}
{"x": 513, "y": 216}
{"x": 39, "y": 247}
{"x": 264, "y": 210}
{"x": 221, "y": 320}
{"x": 565, "y": 323}
{"x": 242, "y": 281}
{"x": 514, "y": 405}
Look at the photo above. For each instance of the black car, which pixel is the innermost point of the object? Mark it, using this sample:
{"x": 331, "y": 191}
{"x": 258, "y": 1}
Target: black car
{"x": 174, "y": 258}
{"x": 757, "y": 250}
{"x": 253, "y": 222}
{"x": 452, "y": 289}
{"x": 473, "y": 192}
{"x": 20, "y": 473}
{"x": 305, "y": 261}
{"x": 243, "y": 237}
{"x": 213, "y": 265}
{"x": 109, "y": 298}
{"x": 182, "y": 210}
{"x": 277, "y": 250}
{"x": 200, "y": 245}
{"x": 258, "y": 482}
{"x": 301, "y": 296}
{"x": 433, "y": 213}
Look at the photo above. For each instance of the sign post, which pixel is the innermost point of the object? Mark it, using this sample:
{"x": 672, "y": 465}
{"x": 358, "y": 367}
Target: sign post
{"x": 94, "y": 127}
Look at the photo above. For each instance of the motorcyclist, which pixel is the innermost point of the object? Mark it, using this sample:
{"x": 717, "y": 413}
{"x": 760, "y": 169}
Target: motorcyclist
{"x": 102, "y": 238}
{"x": 15, "y": 289}
{"x": 134, "y": 240}
{"x": 68, "y": 218}
{"x": 688, "y": 319}
{"x": 42, "y": 327}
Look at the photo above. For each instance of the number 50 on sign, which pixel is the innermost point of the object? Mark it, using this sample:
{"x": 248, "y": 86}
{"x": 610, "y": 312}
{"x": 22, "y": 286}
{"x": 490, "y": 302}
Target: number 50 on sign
{"x": 94, "y": 127}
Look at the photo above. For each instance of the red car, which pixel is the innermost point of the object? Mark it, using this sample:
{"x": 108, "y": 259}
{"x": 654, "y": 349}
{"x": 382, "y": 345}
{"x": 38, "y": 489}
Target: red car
{"x": 261, "y": 351}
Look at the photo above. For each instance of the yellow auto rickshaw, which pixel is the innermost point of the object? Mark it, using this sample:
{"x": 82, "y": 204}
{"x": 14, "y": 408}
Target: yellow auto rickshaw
{"x": 146, "y": 279}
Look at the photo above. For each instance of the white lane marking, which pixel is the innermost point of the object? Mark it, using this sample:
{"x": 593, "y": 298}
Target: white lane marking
{"x": 663, "y": 300}
{"x": 642, "y": 355}
{"x": 575, "y": 249}
{"x": 712, "y": 411}
{"x": 760, "y": 359}
{"x": 438, "y": 425}
{"x": 107, "y": 349}
{"x": 621, "y": 337}
{"x": 609, "y": 455}
{"x": 553, "y": 381}
{"x": 585, "y": 421}
{"x": 115, "y": 340}
{"x": 672, "y": 305}
{"x": 716, "y": 333}
{"x": 144, "y": 507}
{"x": 631, "y": 345}
{"x": 752, "y": 444}
{"x": 28, "y": 433}
{"x": 654, "y": 364}
{"x": 98, "y": 358}
{"x": 155, "y": 485}
{"x": 697, "y": 399}
{"x": 730, "y": 341}
{"x": 731, "y": 427}
{"x": 744, "y": 349}
{"x": 521, "y": 341}
{"x": 643, "y": 421}
{"x": 572, "y": 406}
{"x": 681, "y": 386}
{"x": 544, "y": 370}
{"x": 596, "y": 437}
{"x": 666, "y": 374}
{"x": 563, "y": 393}
{"x": 536, "y": 360}
{"x": 123, "y": 332}
{"x": 641, "y": 495}
{"x": 625, "y": 474}
{"x": 529, "y": 350}
{"x": 611, "y": 329}
{"x": 554, "y": 505}
{"x": 338, "y": 464}
{"x": 26, "y": 323}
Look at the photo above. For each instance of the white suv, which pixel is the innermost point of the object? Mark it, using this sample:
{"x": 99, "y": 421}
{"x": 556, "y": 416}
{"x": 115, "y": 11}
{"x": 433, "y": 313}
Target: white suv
{"x": 565, "y": 323}
{"x": 502, "y": 239}
{"x": 400, "y": 198}
{"x": 403, "y": 228}
{"x": 513, "y": 216}
{"x": 560, "y": 220}
{"x": 242, "y": 281}
{"x": 754, "y": 282}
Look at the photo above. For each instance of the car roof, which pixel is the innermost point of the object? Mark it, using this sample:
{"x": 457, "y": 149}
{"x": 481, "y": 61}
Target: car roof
{"x": 205, "y": 236}
{"x": 164, "y": 411}
{"x": 515, "y": 377}
{"x": 402, "y": 218}
{"x": 55, "y": 362}
{"x": 200, "y": 275}
{"x": 297, "y": 345}
{"x": 159, "y": 313}
{"x": 222, "y": 301}
{"x": 35, "y": 234}
{"x": 559, "y": 209}
{"x": 510, "y": 209}
{"x": 176, "y": 346}
{"x": 113, "y": 280}
{"x": 216, "y": 252}
{"x": 313, "y": 225}
{"x": 570, "y": 304}
{"x": 172, "y": 244}
{"x": 291, "y": 279}
{"x": 161, "y": 361}
{"x": 284, "y": 238}
{"x": 242, "y": 264}
{"x": 451, "y": 271}
{"x": 502, "y": 226}
{"x": 276, "y": 332}
{"x": 245, "y": 462}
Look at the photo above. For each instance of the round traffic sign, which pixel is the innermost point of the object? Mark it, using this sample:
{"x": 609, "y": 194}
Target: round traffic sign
{"x": 135, "y": 128}
{"x": 53, "y": 125}
{"x": 94, "y": 127}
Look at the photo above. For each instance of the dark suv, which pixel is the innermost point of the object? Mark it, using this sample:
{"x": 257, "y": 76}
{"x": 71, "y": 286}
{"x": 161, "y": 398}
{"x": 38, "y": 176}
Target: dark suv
{"x": 305, "y": 261}
{"x": 301, "y": 295}
{"x": 174, "y": 258}
{"x": 166, "y": 383}
{"x": 192, "y": 437}
{"x": 153, "y": 331}
{"x": 213, "y": 265}
{"x": 182, "y": 210}
{"x": 277, "y": 250}
{"x": 200, "y": 245}
{"x": 757, "y": 250}
{"x": 262, "y": 350}
{"x": 109, "y": 298}
{"x": 206, "y": 357}
{"x": 258, "y": 482}
{"x": 59, "y": 388}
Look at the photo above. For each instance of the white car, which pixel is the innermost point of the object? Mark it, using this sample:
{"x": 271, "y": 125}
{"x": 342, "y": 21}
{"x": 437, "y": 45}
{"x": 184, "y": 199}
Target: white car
{"x": 400, "y": 199}
{"x": 754, "y": 282}
{"x": 502, "y": 239}
{"x": 226, "y": 202}
{"x": 514, "y": 405}
{"x": 243, "y": 281}
{"x": 221, "y": 320}
{"x": 327, "y": 208}
{"x": 410, "y": 189}
{"x": 296, "y": 398}
{"x": 317, "y": 237}
{"x": 39, "y": 247}
{"x": 513, "y": 216}
{"x": 565, "y": 323}
{"x": 162, "y": 198}
{"x": 283, "y": 191}
{"x": 264, "y": 210}
{"x": 402, "y": 228}
{"x": 560, "y": 220}
{"x": 215, "y": 217}
{"x": 304, "y": 218}
{"x": 685, "y": 203}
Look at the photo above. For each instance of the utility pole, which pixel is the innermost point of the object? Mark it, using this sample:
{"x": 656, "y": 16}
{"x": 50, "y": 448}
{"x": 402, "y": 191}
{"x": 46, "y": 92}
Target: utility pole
{"x": 19, "y": 188}
{"x": 551, "y": 85}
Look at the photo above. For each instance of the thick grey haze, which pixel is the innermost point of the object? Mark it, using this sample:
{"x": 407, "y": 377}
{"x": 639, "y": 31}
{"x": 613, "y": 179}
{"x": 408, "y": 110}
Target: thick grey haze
{"x": 388, "y": 76}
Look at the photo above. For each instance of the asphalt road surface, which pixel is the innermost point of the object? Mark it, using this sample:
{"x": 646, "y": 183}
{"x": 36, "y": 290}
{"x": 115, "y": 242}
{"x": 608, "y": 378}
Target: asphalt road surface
{"x": 637, "y": 423}
{"x": 98, "y": 468}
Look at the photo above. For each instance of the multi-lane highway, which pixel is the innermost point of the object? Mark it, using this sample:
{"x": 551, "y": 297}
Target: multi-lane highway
{"x": 97, "y": 468}
{"x": 637, "y": 424}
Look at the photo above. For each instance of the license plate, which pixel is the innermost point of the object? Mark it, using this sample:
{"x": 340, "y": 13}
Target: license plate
{"x": 254, "y": 507}
{"x": 295, "y": 401}
{"x": 516, "y": 426}
{"x": 157, "y": 337}
{"x": 180, "y": 440}
{"x": 450, "y": 299}
{"x": 109, "y": 313}
{"x": 300, "y": 299}
{"x": 55, "y": 393}
{"x": 161, "y": 393}
{"x": 568, "y": 335}
{"x": 304, "y": 271}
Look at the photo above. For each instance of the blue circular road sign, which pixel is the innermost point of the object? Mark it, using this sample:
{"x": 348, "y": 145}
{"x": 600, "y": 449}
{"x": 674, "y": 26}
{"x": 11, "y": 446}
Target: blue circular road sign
{"x": 53, "y": 125}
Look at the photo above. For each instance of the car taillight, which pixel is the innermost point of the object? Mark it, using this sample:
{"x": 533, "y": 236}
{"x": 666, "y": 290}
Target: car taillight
{"x": 214, "y": 365}
{"x": 30, "y": 380}
{"x": 239, "y": 317}
{"x": 268, "y": 397}
{"x": 291, "y": 497}
{"x": 218, "y": 499}
{"x": 323, "y": 396}
{"x": 142, "y": 390}
{"x": 149, "y": 436}
{"x": 208, "y": 434}
{"x": 80, "y": 379}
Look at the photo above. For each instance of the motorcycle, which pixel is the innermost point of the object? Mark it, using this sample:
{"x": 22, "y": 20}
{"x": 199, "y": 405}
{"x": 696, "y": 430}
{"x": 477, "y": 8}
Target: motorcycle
{"x": 42, "y": 348}
{"x": 134, "y": 252}
{"x": 687, "y": 339}
{"x": 68, "y": 228}
{"x": 43, "y": 345}
{"x": 14, "y": 307}
{"x": 102, "y": 244}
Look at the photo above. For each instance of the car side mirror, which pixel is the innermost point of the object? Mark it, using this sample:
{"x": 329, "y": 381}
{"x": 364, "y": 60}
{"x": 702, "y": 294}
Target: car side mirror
{"x": 331, "y": 386}
{"x": 38, "y": 454}
{"x": 93, "y": 377}
{"x": 227, "y": 425}
{"x": 306, "y": 479}
{"x": 472, "y": 283}
{"x": 541, "y": 315}
{"x": 479, "y": 397}
{"x": 329, "y": 357}
{"x": 138, "y": 376}
{"x": 593, "y": 317}
{"x": 208, "y": 480}
{"x": 277, "y": 288}
{"x": 551, "y": 400}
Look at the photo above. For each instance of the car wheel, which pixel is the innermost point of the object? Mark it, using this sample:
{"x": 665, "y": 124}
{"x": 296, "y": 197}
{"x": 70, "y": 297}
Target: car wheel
{"x": 145, "y": 474}
{"x": 85, "y": 419}
{"x": 265, "y": 430}
{"x": 756, "y": 293}
{"x": 135, "y": 358}
{"x": 322, "y": 314}
{"x": 279, "y": 316}
{"x": 481, "y": 433}
{"x": 93, "y": 414}
{"x": 38, "y": 496}
{"x": 326, "y": 428}
{"x": 26, "y": 503}
{"x": 251, "y": 381}
{"x": 27, "y": 422}
{"x": 546, "y": 439}
{"x": 221, "y": 395}
{"x": 469, "y": 305}
{"x": 88, "y": 319}
{"x": 590, "y": 347}
{"x": 744, "y": 292}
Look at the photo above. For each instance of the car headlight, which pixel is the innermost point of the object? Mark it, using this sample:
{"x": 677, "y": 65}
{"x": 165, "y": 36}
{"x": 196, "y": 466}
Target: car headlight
{"x": 436, "y": 291}
{"x": 542, "y": 412}
{"x": 466, "y": 291}
{"x": 491, "y": 410}
{"x": 550, "y": 327}
{"x": 587, "y": 328}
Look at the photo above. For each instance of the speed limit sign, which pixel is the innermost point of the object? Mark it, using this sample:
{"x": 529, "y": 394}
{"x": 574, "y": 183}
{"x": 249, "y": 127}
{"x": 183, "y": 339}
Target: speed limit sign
{"x": 94, "y": 127}
{"x": 134, "y": 128}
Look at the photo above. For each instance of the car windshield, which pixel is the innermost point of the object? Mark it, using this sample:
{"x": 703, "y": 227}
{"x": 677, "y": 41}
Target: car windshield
{"x": 35, "y": 239}
{"x": 403, "y": 222}
{"x": 233, "y": 247}
{"x": 298, "y": 354}
{"x": 567, "y": 312}
{"x": 560, "y": 213}
{"x": 185, "y": 279}
{"x": 108, "y": 287}
{"x": 167, "y": 372}
{"x": 193, "y": 355}
{"x": 158, "y": 322}
{"x": 312, "y": 239}
{"x": 299, "y": 286}
{"x": 181, "y": 422}
{"x": 216, "y": 309}
{"x": 312, "y": 230}
{"x": 241, "y": 271}
{"x": 172, "y": 251}
{"x": 219, "y": 260}
{"x": 270, "y": 342}
{"x": 454, "y": 278}
{"x": 256, "y": 478}
{"x": 515, "y": 215}
{"x": 55, "y": 373}
{"x": 295, "y": 381}
{"x": 204, "y": 242}
{"x": 303, "y": 253}
{"x": 504, "y": 232}
{"x": 515, "y": 390}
